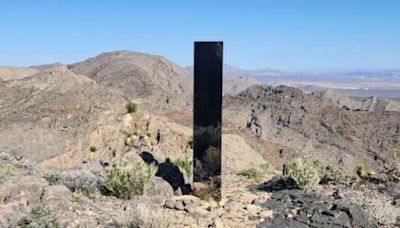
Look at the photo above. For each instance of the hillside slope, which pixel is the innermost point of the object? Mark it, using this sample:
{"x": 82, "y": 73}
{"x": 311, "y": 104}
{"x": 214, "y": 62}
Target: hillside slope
{"x": 56, "y": 113}
{"x": 137, "y": 75}
{"x": 312, "y": 124}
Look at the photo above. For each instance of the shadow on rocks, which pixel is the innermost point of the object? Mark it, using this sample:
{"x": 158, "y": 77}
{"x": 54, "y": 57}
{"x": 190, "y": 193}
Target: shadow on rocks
{"x": 295, "y": 208}
{"x": 169, "y": 172}
{"x": 278, "y": 183}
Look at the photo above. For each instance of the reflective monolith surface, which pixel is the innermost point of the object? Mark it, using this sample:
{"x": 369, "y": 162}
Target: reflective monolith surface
{"x": 207, "y": 119}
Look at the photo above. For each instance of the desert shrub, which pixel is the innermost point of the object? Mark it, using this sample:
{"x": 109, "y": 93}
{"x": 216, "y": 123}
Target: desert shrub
{"x": 395, "y": 154}
{"x": 207, "y": 136}
{"x": 114, "y": 153}
{"x": 190, "y": 142}
{"x": 134, "y": 133}
{"x": 126, "y": 180}
{"x": 9, "y": 170}
{"x": 185, "y": 164}
{"x": 332, "y": 174}
{"x": 304, "y": 173}
{"x": 308, "y": 173}
{"x": 141, "y": 215}
{"x": 80, "y": 180}
{"x": 131, "y": 107}
{"x": 212, "y": 160}
{"x": 395, "y": 164}
{"x": 361, "y": 170}
{"x": 92, "y": 148}
{"x": 40, "y": 216}
{"x": 5, "y": 157}
{"x": 255, "y": 172}
{"x": 76, "y": 196}
{"x": 52, "y": 178}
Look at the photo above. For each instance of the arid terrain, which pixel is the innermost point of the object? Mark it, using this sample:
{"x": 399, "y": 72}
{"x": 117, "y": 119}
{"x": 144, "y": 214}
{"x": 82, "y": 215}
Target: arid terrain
{"x": 107, "y": 142}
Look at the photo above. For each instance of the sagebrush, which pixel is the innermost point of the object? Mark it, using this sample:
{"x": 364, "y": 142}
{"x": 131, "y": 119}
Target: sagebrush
{"x": 145, "y": 217}
{"x": 40, "y": 216}
{"x": 126, "y": 180}
{"x": 80, "y": 180}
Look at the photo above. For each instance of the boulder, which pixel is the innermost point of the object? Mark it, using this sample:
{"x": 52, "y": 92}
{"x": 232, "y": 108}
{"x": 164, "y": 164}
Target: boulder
{"x": 158, "y": 187}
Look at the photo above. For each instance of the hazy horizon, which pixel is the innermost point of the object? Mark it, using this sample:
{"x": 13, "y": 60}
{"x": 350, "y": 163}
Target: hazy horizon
{"x": 284, "y": 35}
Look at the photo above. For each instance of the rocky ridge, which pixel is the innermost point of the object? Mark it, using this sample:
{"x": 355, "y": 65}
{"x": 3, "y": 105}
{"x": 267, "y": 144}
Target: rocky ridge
{"x": 64, "y": 126}
{"x": 312, "y": 124}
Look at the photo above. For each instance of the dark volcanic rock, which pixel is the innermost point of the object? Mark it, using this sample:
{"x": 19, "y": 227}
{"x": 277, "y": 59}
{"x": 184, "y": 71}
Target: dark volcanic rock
{"x": 294, "y": 208}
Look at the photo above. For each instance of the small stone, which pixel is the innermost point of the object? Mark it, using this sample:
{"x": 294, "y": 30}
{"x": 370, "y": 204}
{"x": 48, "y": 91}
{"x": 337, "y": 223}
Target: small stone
{"x": 294, "y": 212}
{"x": 169, "y": 204}
{"x": 179, "y": 206}
{"x": 218, "y": 223}
{"x": 252, "y": 209}
{"x": 265, "y": 214}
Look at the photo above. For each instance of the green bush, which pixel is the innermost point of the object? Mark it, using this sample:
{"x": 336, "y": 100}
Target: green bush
{"x": 255, "y": 172}
{"x": 308, "y": 173}
{"x": 131, "y": 107}
{"x": 395, "y": 154}
{"x": 52, "y": 178}
{"x": 40, "y": 216}
{"x": 130, "y": 134}
{"x": 127, "y": 180}
{"x": 185, "y": 164}
{"x": 8, "y": 169}
{"x": 92, "y": 148}
{"x": 304, "y": 173}
{"x": 361, "y": 170}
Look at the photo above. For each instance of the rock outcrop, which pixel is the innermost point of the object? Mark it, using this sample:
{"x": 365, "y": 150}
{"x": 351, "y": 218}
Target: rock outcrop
{"x": 57, "y": 115}
{"x": 315, "y": 124}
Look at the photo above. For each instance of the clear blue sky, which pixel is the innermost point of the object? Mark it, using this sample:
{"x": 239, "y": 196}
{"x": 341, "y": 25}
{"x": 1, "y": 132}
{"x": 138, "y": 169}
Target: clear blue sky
{"x": 281, "y": 34}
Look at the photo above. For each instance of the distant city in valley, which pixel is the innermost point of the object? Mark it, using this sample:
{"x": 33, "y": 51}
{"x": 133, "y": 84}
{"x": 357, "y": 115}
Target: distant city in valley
{"x": 358, "y": 83}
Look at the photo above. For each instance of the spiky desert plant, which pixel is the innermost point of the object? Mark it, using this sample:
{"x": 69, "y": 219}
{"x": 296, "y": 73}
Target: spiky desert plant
{"x": 309, "y": 172}
{"x": 304, "y": 173}
{"x": 131, "y": 107}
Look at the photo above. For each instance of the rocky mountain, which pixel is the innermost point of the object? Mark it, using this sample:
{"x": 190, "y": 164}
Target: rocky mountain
{"x": 56, "y": 115}
{"x": 237, "y": 84}
{"x": 343, "y": 130}
{"x": 69, "y": 150}
{"x": 363, "y": 104}
{"x": 11, "y": 73}
{"x": 138, "y": 75}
